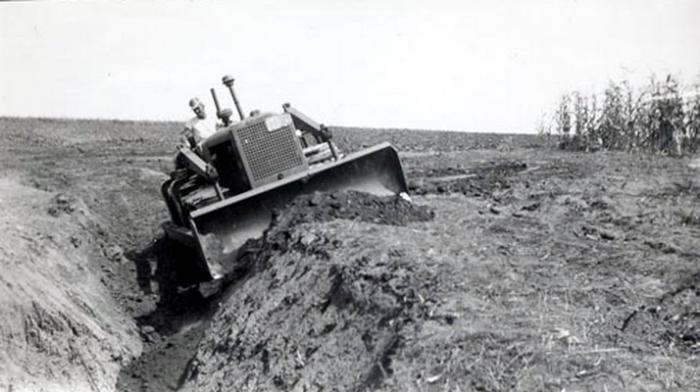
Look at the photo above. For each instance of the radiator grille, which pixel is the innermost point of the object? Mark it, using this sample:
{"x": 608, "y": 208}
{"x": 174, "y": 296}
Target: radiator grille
{"x": 269, "y": 153}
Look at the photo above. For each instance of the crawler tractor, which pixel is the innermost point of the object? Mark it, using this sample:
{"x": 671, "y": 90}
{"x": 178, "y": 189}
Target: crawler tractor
{"x": 223, "y": 193}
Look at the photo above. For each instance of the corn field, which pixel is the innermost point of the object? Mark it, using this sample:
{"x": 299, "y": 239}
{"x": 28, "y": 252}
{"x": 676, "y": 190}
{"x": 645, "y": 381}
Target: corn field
{"x": 662, "y": 116}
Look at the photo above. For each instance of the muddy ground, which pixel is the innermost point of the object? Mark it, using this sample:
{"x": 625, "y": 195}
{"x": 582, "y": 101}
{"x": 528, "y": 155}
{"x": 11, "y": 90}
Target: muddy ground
{"x": 516, "y": 267}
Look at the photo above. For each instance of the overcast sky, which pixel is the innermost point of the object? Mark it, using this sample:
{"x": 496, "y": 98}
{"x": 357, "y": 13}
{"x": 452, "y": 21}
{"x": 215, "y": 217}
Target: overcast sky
{"x": 474, "y": 66}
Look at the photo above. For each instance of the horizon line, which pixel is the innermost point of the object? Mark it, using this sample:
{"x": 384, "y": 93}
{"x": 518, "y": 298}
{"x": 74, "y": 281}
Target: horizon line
{"x": 154, "y": 121}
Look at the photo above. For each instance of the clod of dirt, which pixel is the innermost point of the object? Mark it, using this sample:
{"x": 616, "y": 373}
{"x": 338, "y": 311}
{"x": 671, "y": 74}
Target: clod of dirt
{"x": 62, "y": 204}
{"x": 690, "y": 218}
{"x": 114, "y": 253}
{"x": 532, "y": 206}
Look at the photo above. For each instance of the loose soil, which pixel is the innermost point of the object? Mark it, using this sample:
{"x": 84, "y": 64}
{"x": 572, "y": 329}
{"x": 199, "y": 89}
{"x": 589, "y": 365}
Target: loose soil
{"x": 516, "y": 267}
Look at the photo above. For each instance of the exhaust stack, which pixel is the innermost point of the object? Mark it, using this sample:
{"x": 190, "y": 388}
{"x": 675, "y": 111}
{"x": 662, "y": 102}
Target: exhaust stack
{"x": 228, "y": 82}
{"x": 223, "y": 114}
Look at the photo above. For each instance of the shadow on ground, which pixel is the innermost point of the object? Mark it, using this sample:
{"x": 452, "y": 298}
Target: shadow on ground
{"x": 171, "y": 331}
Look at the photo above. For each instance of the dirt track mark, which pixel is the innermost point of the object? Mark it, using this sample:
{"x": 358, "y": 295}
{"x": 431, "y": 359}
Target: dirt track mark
{"x": 477, "y": 181}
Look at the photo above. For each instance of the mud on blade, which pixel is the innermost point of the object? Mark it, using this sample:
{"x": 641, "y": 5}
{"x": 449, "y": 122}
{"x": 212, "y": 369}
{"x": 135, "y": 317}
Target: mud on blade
{"x": 220, "y": 229}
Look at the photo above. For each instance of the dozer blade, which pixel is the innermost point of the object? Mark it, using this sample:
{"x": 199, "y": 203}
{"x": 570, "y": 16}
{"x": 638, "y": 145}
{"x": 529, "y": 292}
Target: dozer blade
{"x": 220, "y": 229}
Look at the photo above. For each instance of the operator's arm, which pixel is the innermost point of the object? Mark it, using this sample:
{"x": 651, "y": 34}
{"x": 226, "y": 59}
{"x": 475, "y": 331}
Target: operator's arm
{"x": 187, "y": 137}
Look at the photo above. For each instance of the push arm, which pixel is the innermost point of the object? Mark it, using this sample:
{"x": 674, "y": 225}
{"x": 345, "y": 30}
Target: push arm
{"x": 197, "y": 164}
{"x": 305, "y": 124}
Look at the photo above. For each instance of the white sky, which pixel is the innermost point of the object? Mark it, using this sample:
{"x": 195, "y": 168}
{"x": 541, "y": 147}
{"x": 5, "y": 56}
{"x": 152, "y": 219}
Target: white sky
{"x": 475, "y": 66}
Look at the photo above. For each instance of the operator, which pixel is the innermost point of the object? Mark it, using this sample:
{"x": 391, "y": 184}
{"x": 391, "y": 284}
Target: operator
{"x": 199, "y": 127}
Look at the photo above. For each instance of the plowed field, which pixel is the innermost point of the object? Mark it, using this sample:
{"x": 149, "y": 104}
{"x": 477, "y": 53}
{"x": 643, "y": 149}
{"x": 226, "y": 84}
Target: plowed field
{"x": 515, "y": 267}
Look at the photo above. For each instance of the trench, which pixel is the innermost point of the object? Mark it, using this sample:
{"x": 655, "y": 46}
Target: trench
{"x": 174, "y": 331}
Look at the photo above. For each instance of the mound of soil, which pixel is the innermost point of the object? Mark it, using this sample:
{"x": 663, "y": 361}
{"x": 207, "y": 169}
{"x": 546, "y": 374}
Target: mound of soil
{"x": 324, "y": 207}
{"x": 352, "y": 205}
{"x": 325, "y": 301}
{"x": 61, "y": 328}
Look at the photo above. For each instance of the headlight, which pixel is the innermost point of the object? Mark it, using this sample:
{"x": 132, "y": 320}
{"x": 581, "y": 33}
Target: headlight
{"x": 276, "y": 122}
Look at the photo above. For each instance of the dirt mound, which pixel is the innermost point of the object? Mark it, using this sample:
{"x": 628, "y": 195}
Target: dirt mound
{"x": 325, "y": 303}
{"x": 324, "y": 207}
{"x": 61, "y": 328}
{"x": 62, "y": 204}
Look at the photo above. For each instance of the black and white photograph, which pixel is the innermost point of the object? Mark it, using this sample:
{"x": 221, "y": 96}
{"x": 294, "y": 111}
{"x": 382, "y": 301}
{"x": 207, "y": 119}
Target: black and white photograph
{"x": 350, "y": 195}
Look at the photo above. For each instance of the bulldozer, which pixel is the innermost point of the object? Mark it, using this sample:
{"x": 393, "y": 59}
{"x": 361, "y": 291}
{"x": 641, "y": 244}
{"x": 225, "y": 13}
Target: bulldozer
{"x": 225, "y": 192}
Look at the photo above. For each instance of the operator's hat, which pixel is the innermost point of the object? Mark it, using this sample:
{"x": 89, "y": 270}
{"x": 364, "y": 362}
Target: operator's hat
{"x": 195, "y": 103}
